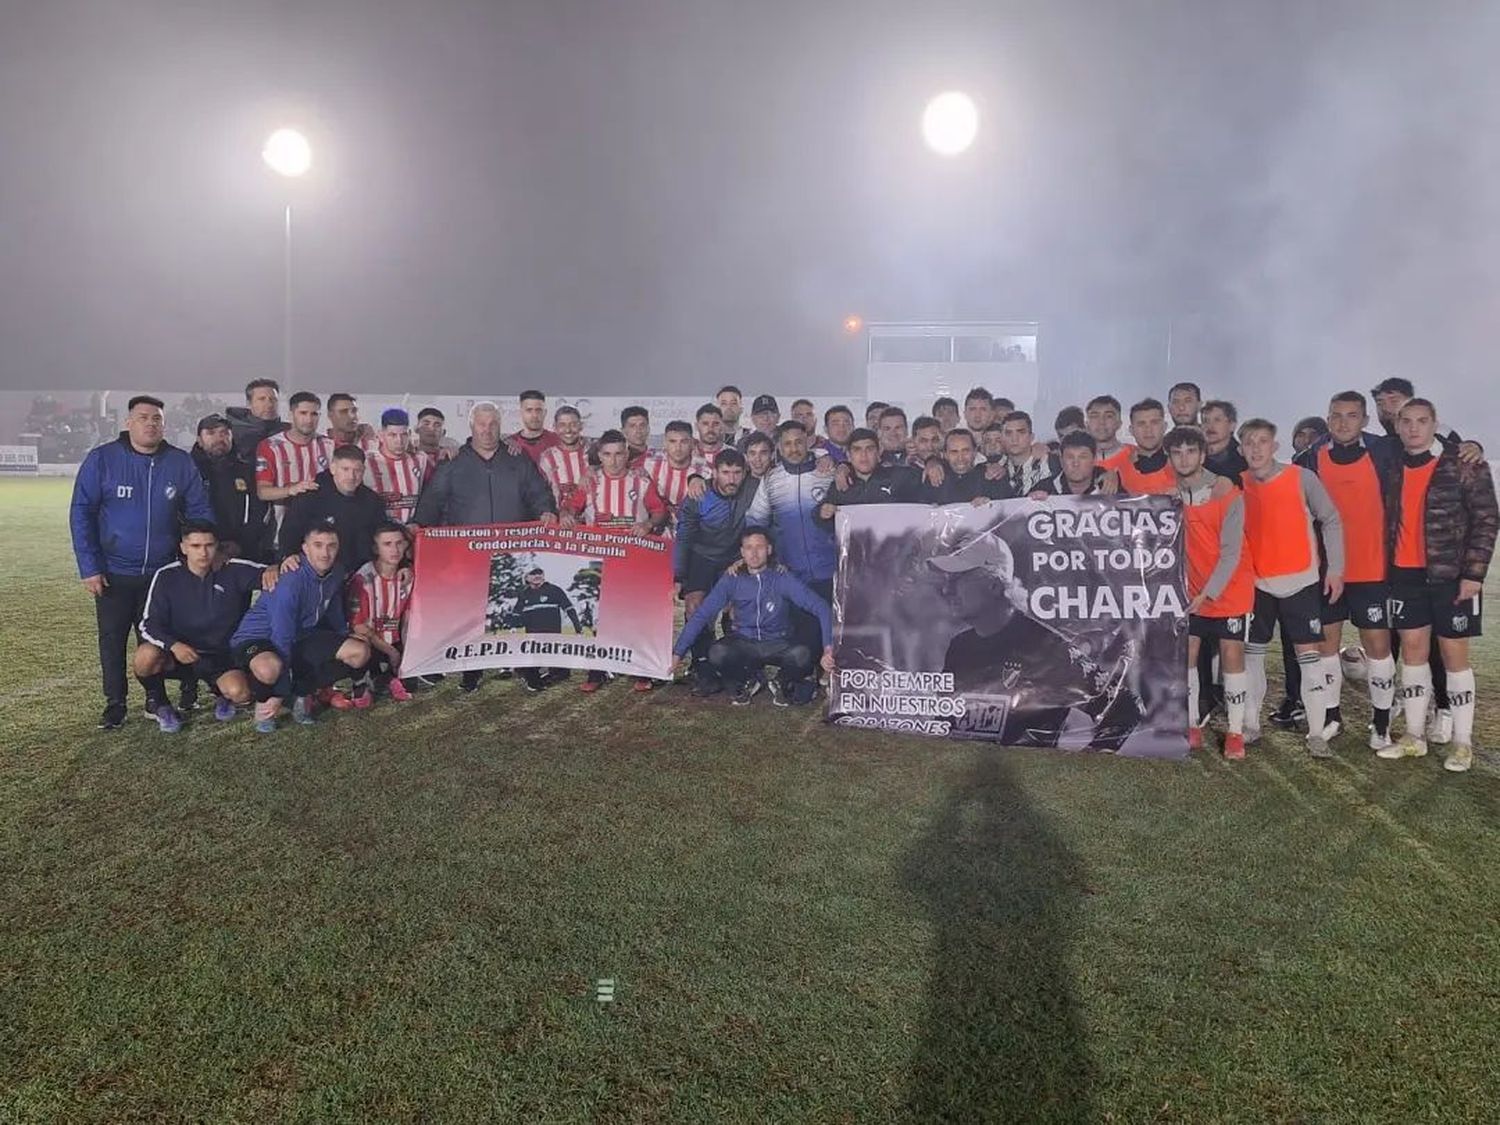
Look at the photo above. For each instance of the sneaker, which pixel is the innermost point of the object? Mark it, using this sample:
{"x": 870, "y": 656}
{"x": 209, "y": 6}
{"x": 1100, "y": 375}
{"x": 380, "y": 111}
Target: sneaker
{"x": 224, "y": 711}
{"x": 1234, "y": 747}
{"x": 1318, "y": 746}
{"x": 168, "y": 719}
{"x": 1288, "y": 715}
{"x": 745, "y": 693}
{"x": 1440, "y": 727}
{"x": 1379, "y": 740}
{"x": 302, "y": 710}
{"x": 777, "y": 694}
{"x": 399, "y": 692}
{"x": 335, "y": 699}
{"x": 1459, "y": 759}
{"x": 1332, "y": 729}
{"x": 588, "y": 687}
{"x": 1410, "y": 746}
{"x": 363, "y": 700}
{"x": 532, "y": 686}
{"x": 642, "y": 686}
{"x": 469, "y": 681}
{"x": 152, "y": 703}
{"x": 113, "y": 717}
{"x": 1195, "y": 738}
{"x": 265, "y": 716}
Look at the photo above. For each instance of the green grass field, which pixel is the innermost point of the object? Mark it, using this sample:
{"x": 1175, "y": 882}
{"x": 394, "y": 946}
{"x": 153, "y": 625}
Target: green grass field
{"x": 403, "y": 915}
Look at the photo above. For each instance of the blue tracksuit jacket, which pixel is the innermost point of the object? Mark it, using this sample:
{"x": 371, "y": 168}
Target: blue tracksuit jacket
{"x": 128, "y": 507}
{"x": 762, "y": 608}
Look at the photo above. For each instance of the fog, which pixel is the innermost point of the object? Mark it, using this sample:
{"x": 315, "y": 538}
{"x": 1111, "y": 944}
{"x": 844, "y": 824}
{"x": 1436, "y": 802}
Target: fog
{"x": 1275, "y": 199}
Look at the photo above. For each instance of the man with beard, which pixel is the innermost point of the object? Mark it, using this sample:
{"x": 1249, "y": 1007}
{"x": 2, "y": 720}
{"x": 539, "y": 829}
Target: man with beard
{"x": 710, "y": 440}
{"x": 1224, "y": 458}
{"x": 258, "y": 419}
{"x": 1080, "y": 475}
{"x": 804, "y": 412}
{"x": 731, "y": 403}
{"x": 1183, "y": 403}
{"x": 838, "y": 424}
{"x": 533, "y": 438}
{"x": 1146, "y": 471}
{"x": 343, "y": 502}
{"x": 677, "y": 472}
{"x": 979, "y": 410}
{"x": 960, "y": 480}
{"x": 926, "y": 442}
{"x": 287, "y": 464}
{"x": 1003, "y": 650}
{"x": 893, "y": 434}
{"x": 344, "y": 426}
{"x": 241, "y": 529}
{"x": 708, "y": 536}
{"x": 635, "y": 424}
{"x": 566, "y": 464}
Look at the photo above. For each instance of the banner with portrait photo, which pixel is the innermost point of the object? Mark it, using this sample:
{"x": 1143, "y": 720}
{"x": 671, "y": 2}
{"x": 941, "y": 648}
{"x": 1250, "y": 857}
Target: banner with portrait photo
{"x": 528, "y": 596}
{"x": 1059, "y": 622}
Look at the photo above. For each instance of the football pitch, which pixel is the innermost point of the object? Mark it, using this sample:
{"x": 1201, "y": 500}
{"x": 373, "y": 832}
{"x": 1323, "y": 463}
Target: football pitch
{"x": 410, "y": 914}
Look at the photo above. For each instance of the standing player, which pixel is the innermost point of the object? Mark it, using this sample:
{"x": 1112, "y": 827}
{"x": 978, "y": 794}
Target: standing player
{"x": 1079, "y": 475}
{"x": 1441, "y": 522}
{"x": 1282, "y": 504}
{"x": 344, "y": 426}
{"x": 1145, "y": 470}
{"x": 1221, "y": 581}
{"x": 566, "y": 463}
{"x": 395, "y": 473}
{"x": 379, "y": 596}
{"x": 635, "y": 424}
{"x": 710, "y": 442}
{"x": 676, "y": 472}
{"x": 803, "y": 411}
{"x": 191, "y": 610}
{"x": 1183, "y": 403}
{"x": 731, "y": 404}
{"x": 1102, "y": 419}
{"x": 1351, "y": 467}
{"x": 287, "y": 464}
{"x": 945, "y": 410}
{"x": 979, "y": 410}
{"x": 1224, "y": 456}
{"x": 533, "y": 438}
{"x": 128, "y": 499}
{"x": 616, "y": 496}
{"x": 432, "y": 435}
{"x": 892, "y": 433}
{"x": 760, "y": 455}
{"x": 1019, "y": 470}
{"x": 838, "y": 424}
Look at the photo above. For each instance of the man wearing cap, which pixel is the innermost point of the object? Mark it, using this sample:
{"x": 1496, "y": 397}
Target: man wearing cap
{"x": 541, "y": 606}
{"x": 240, "y": 515}
{"x": 395, "y": 473}
{"x": 1003, "y": 651}
{"x": 765, "y": 415}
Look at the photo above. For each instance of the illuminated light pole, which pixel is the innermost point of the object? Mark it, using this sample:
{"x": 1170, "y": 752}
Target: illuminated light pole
{"x": 288, "y": 154}
{"x": 950, "y": 123}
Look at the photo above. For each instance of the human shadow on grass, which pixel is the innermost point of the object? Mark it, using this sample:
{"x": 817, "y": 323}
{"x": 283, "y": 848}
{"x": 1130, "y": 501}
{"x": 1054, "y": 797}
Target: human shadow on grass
{"x": 1003, "y": 1040}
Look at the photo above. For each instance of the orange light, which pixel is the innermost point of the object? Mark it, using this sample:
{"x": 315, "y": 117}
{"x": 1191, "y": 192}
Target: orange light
{"x": 853, "y": 324}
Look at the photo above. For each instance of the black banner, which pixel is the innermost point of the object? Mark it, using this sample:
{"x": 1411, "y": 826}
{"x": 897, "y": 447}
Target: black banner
{"x": 1029, "y": 623}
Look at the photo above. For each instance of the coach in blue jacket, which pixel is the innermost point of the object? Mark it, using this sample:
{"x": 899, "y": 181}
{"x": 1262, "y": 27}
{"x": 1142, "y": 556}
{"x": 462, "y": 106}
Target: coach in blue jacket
{"x": 762, "y": 595}
{"x": 129, "y": 500}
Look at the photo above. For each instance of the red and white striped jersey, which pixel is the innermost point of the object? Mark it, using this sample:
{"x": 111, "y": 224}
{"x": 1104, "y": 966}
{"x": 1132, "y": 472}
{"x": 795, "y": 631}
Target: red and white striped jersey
{"x": 617, "y": 501}
{"x": 565, "y": 469}
{"x": 398, "y": 481}
{"x": 281, "y": 462}
{"x": 709, "y": 456}
{"x": 380, "y": 602}
{"x": 671, "y": 482}
{"x": 367, "y": 440}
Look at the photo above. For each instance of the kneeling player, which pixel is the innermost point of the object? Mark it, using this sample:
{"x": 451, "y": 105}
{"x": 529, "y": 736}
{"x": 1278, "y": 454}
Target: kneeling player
{"x": 1221, "y": 584}
{"x": 296, "y": 639}
{"x": 1441, "y": 522}
{"x": 762, "y": 595}
{"x": 379, "y": 594}
{"x": 191, "y": 610}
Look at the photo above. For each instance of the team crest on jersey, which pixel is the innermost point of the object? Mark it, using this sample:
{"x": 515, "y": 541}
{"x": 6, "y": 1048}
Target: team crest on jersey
{"x": 633, "y": 495}
{"x": 1460, "y": 622}
{"x": 1372, "y": 614}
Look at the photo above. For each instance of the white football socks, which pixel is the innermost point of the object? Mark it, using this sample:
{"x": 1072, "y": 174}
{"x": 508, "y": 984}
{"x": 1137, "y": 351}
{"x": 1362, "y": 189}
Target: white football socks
{"x": 1461, "y": 703}
{"x": 1416, "y": 684}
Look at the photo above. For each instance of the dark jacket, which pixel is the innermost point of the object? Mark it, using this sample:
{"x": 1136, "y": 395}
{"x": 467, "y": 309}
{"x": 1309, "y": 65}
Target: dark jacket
{"x": 201, "y": 612}
{"x": 239, "y": 512}
{"x": 1382, "y": 449}
{"x": 468, "y": 489}
{"x": 249, "y": 431}
{"x": 354, "y": 517}
{"x": 1462, "y": 516}
{"x": 128, "y": 507}
{"x": 302, "y": 601}
{"x": 964, "y": 489}
{"x": 1228, "y": 462}
{"x": 888, "y": 484}
{"x": 709, "y": 527}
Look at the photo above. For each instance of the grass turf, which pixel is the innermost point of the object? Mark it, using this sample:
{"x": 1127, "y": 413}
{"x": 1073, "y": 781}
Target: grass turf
{"x": 403, "y": 915}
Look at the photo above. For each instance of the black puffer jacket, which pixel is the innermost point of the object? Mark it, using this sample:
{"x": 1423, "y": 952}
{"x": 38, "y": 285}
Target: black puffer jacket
{"x": 1461, "y": 521}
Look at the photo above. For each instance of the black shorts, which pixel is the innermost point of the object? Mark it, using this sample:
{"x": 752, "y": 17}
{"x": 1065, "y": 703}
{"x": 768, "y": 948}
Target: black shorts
{"x": 702, "y": 573}
{"x": 1434, "y": 604}
{"x": 1362, "y": 604}
{"x": 207, "y": 668}
{"x": 1300, "y": 615}
{"x": 1218, "y": 628}
{"x": 312, "y": 651}
{"x": 244, "y": 652}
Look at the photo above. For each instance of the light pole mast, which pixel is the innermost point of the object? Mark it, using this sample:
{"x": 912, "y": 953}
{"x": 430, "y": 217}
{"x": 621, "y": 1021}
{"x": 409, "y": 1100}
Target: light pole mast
{"x": 287, "y": 153}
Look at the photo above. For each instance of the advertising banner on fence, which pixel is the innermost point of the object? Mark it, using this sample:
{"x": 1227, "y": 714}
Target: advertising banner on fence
{"x": 1030, "y": 623}
{"x": 18, "y": 459}
{"x": 527, "y": 596}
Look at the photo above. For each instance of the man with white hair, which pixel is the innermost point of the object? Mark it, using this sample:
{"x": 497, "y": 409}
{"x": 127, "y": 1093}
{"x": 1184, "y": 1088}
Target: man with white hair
{"x": 485, "y": 483}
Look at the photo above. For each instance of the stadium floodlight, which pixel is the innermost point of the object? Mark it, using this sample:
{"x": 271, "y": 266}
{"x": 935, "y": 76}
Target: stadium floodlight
{"x": 949, "y": 123}
{"x": 287, "y": 152}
